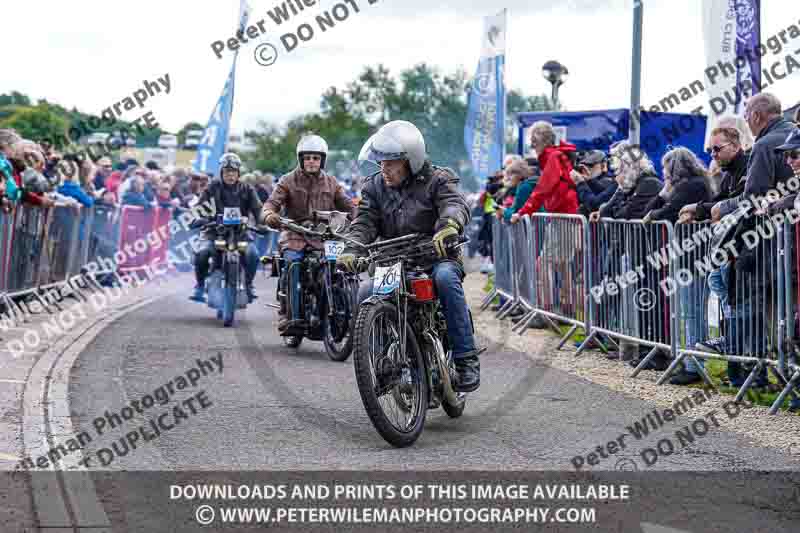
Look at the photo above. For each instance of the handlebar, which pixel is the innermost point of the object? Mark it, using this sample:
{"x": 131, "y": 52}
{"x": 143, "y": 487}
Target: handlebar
{"x": 321, "y": 235}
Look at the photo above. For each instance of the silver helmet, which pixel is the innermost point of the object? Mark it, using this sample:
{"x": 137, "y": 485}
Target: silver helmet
{"x": 230, "y": 160}
{"x": 397, "y": 139}
{"x": 312, "y": 144}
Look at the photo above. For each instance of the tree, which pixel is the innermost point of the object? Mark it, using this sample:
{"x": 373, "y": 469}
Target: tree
{"x": 516, "y": 103}
{"x": 38, "y": 123}
{"x": 436, "y": 103}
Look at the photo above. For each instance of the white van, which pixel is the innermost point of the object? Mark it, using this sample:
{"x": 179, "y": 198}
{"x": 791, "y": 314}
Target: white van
{"x": 168, "y": 141}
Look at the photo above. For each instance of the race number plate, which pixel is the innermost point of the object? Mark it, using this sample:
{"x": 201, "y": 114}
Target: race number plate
{"x": 386, "y": 279}
{"x": 231, "y": 216}
{"x": 333, "y": 249}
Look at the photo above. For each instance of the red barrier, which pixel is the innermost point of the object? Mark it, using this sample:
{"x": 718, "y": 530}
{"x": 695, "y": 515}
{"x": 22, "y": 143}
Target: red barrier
{"x": 135, "y": 224}
{"x": 161, "y": 218}
{"x": 143, "y": 237}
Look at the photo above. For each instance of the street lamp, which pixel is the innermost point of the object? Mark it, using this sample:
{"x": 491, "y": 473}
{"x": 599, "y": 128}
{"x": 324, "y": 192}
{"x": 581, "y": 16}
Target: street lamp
{"x": 556, "y": 74}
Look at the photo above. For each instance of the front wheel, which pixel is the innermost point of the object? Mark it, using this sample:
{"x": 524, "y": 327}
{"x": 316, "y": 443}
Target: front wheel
{"x": 231, "y": 290}
{"x": 338, "y": 331}
{"x": 393, "y": 387}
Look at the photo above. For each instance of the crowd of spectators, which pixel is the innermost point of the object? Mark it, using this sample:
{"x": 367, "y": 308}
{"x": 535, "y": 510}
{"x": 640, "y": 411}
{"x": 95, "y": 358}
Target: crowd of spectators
{"x": 750, "y": 156}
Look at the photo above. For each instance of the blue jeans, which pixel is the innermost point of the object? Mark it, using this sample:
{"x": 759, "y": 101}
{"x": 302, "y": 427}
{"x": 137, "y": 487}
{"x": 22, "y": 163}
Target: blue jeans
{"x": 718, "y": 284}
{"x": 204, "y": 255}
{"x": 691, "y": 299}
{"x": 294, "y": 283}
{"x": 447, "y": 276}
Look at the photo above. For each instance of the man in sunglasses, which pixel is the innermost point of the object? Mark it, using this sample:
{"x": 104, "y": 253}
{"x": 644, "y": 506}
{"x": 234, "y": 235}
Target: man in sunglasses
{"x": 305, "y": 189}
{"x": 229, "y": 192}
{"x": 726, "y": 149}
{"x": 765, "y": 169}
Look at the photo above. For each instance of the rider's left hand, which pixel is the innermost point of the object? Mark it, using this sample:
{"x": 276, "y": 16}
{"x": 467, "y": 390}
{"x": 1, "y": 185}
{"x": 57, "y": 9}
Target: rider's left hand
{"x": 450, "y": 230}
{"x": 346, "y": 262}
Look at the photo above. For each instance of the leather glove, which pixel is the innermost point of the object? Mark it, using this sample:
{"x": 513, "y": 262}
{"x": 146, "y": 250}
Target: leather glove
{"x": 452, "y": 229}
{"x": 347, "y": 262}
{"x": 273, "y": 220}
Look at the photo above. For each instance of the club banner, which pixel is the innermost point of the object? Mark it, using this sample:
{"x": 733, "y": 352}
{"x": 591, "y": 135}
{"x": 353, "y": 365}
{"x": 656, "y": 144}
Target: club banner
{"x": 732, "y": 32}
{"x": 215, "y": 137}
{"x": 484, "y": 131}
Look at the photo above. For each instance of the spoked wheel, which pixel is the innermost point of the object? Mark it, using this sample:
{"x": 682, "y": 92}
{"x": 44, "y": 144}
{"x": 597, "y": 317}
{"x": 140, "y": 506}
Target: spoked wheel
{"x": 339, "y": 330}
{"x": 393, "y": 388}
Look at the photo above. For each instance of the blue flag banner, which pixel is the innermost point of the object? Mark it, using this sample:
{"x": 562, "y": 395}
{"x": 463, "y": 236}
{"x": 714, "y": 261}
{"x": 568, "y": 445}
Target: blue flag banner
{"x": 215, "y": 137}
{"x": 484, "y": 131}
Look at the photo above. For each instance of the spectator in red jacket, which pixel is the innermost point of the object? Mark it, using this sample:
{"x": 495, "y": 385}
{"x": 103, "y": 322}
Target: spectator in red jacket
{"x": 555, "y": 189}
{"x": 28, "y": 163}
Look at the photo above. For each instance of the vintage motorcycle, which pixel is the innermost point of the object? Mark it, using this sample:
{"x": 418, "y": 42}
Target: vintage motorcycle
{"x": 225, "y": 286}
{"x": 401, "y": 376}
{"x": 328, "y": 298}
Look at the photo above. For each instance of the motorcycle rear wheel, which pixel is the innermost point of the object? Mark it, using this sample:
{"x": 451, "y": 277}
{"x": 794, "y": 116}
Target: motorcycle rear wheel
{"x": 293, "y": 341}
{"x": 376, "y": 351}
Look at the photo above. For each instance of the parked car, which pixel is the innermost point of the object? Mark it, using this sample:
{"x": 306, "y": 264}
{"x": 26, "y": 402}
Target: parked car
{"x": 97, "y": 138}
{"x": 238, "y": 144}
{"x": 193, "y": 138}
{"x": 168, "y": 141}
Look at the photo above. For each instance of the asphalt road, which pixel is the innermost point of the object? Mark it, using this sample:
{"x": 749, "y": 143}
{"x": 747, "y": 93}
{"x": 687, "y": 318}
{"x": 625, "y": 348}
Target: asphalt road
{"x": 283, "y": 410}
{"x": 275, "y": 407}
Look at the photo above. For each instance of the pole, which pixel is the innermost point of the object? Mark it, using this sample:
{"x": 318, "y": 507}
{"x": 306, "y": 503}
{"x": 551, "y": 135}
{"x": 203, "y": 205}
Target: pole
{"x": 636, "y": 74}
{"x": 554, "y": 95}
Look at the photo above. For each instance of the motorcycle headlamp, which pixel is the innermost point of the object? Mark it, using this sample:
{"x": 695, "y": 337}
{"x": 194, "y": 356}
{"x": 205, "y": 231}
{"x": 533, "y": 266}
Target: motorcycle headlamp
{"x": 220, "y": 244}
{"x": 243, "y": 246}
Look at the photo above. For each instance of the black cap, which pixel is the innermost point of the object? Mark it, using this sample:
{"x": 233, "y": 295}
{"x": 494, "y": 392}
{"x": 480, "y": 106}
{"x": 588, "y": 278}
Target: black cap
{"x": 792, "y": 142}
{"x": 152, "y": 165}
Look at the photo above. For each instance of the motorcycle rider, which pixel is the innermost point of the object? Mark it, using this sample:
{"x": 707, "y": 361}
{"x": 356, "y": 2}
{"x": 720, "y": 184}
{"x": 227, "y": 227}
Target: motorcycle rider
{"x": 305, "y": 189}
{"x": 227, "y": 191}
{"x": 411, "y": 195}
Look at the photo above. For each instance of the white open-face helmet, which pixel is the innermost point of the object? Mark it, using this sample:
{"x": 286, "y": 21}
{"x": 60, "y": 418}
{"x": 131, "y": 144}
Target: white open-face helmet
{"x": 398, "y": 139}
{"x": 312, "y": 144}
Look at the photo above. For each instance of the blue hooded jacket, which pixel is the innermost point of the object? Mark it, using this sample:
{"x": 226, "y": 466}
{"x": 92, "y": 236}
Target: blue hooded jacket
{"x": 73, "y": 190}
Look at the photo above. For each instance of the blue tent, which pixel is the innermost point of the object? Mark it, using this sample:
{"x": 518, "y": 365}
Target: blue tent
{"x": 598, "y": 130}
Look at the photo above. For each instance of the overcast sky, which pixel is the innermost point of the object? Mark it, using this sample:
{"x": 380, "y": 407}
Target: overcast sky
{"x": 93, "y": 53}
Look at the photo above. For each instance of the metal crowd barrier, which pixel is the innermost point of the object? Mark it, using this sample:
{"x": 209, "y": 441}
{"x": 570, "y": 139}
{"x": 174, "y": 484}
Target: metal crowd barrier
{"x": 653, "y": 284}
{"x": 45, "y": 251}
{"x": 6, "y": 235}
{"x": 504, "y": 284}
{"x": 62, "y": 244}
{"x": 554, "y": 250}
{"x": 751, "y": 291}
{"x": 524, "y": 278}
{"x": 626, "y": 301}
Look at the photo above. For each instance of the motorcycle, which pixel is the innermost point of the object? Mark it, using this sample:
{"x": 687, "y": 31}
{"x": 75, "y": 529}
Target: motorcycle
{"x": 402, "y": 376}
{"x": 225, "y": 285}
{"x": 328, "y": 297}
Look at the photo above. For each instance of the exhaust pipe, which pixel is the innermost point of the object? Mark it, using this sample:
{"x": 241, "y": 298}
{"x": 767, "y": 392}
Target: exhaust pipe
{"x": 444, "y": 370}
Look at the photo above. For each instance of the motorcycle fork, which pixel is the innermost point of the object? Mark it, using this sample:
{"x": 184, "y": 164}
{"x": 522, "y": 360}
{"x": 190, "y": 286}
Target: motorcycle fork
{"x": 328, "y": 282}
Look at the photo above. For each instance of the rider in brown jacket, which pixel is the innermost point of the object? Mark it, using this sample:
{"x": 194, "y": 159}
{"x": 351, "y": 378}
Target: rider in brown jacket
{"x": 307, "y": 188}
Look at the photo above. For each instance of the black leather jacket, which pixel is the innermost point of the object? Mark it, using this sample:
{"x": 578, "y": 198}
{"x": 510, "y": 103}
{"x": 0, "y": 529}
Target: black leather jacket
{"x": 423, "y": 204}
